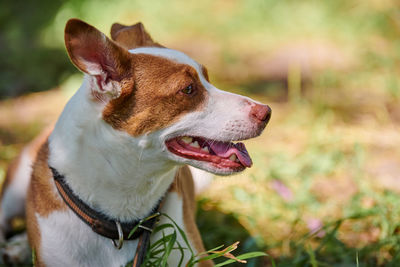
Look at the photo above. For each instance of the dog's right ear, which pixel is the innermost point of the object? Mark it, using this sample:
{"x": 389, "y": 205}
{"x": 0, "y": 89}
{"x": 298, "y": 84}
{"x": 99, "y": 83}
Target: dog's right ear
{"x": 93, "y": 53}
{"x": 133, "y": 36}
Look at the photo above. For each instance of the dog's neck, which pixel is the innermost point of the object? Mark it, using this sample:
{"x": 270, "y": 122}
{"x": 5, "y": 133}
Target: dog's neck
{"x": 119, "y": 175}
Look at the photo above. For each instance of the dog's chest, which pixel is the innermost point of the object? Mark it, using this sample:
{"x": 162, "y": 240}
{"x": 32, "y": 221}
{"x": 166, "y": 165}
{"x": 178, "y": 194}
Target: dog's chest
{"x": 68, "y": 241}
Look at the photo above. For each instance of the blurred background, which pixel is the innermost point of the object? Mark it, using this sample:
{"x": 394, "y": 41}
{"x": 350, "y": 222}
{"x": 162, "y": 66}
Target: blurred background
{"x": 325, "y": 184}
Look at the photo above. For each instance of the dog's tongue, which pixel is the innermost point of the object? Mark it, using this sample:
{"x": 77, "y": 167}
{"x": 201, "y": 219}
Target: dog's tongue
{"x": 225, "y": 150}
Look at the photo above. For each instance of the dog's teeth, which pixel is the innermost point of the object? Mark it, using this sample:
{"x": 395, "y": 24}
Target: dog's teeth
{"x": 205, "y": 149}
{"x": 187, "y": 139}
{"x": 233, "y": 157}
{"x": 195, "y": 144}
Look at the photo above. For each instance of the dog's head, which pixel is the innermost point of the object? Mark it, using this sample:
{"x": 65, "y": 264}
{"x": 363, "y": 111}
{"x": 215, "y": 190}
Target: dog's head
{"x": 154, "y": 93}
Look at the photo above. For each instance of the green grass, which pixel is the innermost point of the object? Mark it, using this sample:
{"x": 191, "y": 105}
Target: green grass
{"x": 160, "y": 250}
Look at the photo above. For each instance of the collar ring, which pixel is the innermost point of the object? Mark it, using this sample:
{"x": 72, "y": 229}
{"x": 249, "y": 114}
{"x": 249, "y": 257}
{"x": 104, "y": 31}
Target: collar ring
{"x": 120, "y": 236}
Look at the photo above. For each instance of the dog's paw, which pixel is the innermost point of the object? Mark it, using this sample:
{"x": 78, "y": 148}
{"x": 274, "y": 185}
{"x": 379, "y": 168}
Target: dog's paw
{"x": 16, "y": 251}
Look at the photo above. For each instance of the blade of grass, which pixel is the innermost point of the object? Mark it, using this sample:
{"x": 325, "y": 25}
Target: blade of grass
{"x": 168, "y": 248}
{"x": 244, "y": 257}
{"x": 181, "y": 232}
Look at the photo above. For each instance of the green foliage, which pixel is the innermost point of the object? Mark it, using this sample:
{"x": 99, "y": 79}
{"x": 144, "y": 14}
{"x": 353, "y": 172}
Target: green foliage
{"x": 33, "y": 56}
{"x": 160, "y": 250}
{"x": 27, "y": 65}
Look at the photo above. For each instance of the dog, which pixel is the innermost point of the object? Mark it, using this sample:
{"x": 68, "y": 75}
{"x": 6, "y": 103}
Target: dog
{"x": 121, "y": 148}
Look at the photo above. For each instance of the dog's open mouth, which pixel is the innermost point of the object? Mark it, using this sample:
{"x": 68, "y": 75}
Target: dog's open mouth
{"x": 222, "y": 155}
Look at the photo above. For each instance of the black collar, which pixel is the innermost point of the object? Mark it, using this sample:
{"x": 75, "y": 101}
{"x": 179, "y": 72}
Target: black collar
{"x": 99, "y": 222}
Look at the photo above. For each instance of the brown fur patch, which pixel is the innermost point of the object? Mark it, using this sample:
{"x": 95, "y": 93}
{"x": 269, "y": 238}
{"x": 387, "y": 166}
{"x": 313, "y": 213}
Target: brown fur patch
{"x": 156, "y": 101}
{"x": 183, "y": 185}
{"x": 133, "y": 36}
{"x": 42, "y": 199}
{"x": 45, "y": 197}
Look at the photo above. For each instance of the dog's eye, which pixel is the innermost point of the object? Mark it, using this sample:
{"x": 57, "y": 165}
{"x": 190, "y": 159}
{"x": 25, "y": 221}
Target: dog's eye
{"x": 188, "y": 90}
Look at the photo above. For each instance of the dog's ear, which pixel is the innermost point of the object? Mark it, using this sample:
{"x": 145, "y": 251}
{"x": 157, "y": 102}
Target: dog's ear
{"x": 133, "y": 36}
{"x": 93, "y": 53}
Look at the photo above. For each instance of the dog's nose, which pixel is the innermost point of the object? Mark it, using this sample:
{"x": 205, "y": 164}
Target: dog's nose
{"x": 261, "y": 113}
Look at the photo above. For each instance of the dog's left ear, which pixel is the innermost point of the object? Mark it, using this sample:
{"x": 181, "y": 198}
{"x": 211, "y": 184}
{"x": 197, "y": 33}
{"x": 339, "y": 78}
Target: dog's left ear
{"x": 133, "y": 36}
{"x": 93, "y": 53}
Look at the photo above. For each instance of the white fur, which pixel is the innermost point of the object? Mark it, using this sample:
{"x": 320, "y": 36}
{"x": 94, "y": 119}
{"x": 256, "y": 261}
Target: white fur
{"x": 67, "y": 241}
{"x": 105, "y": 167}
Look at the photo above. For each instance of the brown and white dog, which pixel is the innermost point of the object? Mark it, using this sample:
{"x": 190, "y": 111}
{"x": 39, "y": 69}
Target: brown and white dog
{"x": 122, "y": 143}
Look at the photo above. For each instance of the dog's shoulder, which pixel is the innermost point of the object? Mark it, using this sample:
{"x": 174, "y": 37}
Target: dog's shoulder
{"x": 183, "y": 185}
{"x": 43, "y": 192}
